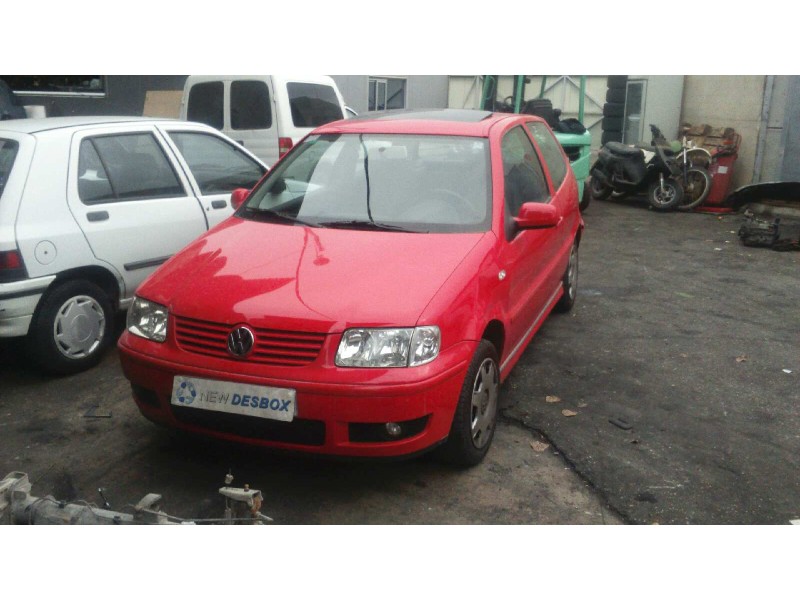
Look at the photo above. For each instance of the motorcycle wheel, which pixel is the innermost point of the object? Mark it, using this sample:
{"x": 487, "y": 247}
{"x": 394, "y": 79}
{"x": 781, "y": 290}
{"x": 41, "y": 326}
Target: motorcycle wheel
{"x": 696, "y": 190}
{"x": 599, "y": 190}
{"x": 668, "y": 199}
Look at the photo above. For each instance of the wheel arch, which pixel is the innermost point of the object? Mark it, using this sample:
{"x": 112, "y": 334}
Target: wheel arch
{"x": 101, "y": 277}
{"x": 495, "y": 333}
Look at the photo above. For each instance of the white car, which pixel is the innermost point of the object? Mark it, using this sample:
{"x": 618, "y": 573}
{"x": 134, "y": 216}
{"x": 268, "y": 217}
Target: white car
{"x": 89, "y": 207}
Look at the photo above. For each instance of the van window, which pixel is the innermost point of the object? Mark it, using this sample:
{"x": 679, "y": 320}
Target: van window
{"x": 313, "y": 104}
{"x": 112, "y": 168}
{"x": 250, "y": 105}
{"x": 206, "y": 104}
{"x": 8, "y": 152}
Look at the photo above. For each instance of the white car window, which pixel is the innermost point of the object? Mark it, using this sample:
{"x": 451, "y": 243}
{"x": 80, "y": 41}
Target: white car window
{"x": 216, "y": 165}
{"x": 123, "y": 167}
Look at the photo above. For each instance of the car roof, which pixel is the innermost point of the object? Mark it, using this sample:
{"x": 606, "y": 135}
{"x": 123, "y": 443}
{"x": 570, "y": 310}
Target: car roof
{"x": 446, "y": 121}
{"x": 50, "y": 123}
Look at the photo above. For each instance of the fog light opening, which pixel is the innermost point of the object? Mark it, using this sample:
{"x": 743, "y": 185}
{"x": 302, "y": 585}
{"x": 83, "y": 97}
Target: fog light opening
{"x": 393, "y": 429}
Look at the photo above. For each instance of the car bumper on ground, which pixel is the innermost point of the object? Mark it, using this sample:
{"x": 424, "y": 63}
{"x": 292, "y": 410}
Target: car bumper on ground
{"x": 18, "y": 301}
{"x": 341, "y": 412}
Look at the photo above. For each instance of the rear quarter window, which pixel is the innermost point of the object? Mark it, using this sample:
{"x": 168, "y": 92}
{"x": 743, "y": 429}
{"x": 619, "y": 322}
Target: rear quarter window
{"x": 8, "y": 153}
{"x": 313, "y": 104}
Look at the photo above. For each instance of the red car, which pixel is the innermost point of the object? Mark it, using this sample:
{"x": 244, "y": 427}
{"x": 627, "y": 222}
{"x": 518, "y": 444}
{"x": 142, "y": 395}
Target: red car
{"x": 370, "y": 294}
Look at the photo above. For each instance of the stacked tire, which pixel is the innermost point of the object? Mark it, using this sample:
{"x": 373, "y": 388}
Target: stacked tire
{"x": 614, "y": 109}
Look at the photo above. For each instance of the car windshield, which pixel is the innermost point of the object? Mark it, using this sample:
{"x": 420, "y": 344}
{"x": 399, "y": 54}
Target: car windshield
{"x": 419, "y": 183}
{"x": 8, "y": 152}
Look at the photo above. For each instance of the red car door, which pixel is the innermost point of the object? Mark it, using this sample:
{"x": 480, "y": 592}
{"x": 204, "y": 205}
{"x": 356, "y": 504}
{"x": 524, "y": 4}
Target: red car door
{"x": 528, "y": 257}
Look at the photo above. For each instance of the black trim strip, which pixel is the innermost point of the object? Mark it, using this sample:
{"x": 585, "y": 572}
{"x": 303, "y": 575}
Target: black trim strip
{"x": 145, "y": 264}
{"x": 32, "y": 292}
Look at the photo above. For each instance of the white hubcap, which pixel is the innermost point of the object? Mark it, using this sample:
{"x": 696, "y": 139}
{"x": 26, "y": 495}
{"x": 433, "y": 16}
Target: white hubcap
{"x": 79, "y": 327}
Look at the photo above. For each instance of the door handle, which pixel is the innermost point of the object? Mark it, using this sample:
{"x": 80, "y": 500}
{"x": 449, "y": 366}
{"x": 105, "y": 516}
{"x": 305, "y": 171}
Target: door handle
{"x": 97, "y": 215}
{"x": 219, "y": 204}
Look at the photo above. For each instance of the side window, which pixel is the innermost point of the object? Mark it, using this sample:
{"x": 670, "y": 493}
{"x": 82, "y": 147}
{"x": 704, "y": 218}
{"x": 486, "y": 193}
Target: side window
{"x": 250, "y": 105}
{"x": 551, "y": 152}
{"x": 205, "y": 104}
{"x": 124, "y": 167}
{"x": 313, "y": 104}
{"x": 216, "y": 165}
{"x": 524, "y": 178}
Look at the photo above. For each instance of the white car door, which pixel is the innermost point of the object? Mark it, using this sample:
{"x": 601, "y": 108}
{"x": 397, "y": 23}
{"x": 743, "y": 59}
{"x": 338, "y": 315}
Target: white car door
{"x": 215, "y": 166}
{"x": 133, "y": 203}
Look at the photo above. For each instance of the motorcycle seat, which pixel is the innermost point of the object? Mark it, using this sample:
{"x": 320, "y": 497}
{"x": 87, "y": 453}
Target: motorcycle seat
{"x": 622, "y": 150}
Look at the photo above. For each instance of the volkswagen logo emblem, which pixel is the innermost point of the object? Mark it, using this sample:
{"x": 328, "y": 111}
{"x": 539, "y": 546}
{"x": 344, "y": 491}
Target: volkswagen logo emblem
{"x": 240, "y": 341}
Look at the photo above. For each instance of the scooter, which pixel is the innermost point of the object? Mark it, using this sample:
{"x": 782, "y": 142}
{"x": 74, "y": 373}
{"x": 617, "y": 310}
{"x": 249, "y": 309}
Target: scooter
{"x": 624, "y": 170}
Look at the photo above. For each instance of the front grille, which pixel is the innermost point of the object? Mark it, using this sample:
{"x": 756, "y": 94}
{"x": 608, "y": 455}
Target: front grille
{"x": 299, "y": 431}
{"x": 272, "y": 346}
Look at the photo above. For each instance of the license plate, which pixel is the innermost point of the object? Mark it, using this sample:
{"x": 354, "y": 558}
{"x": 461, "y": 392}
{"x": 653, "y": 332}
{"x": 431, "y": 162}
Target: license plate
{"x": 236, "y": 398}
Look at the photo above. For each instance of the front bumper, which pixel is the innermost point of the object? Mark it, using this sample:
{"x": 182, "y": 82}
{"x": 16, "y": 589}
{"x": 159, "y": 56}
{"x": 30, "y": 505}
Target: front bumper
{"x": 340, "y": 411}
{"x": 18, "y": 301}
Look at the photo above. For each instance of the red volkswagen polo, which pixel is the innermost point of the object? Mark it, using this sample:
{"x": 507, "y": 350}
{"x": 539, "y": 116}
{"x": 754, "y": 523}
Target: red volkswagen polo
{"x": 370, "y": 294}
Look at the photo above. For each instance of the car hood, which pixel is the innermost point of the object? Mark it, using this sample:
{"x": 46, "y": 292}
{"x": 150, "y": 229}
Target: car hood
{"x": 307, "y": 279}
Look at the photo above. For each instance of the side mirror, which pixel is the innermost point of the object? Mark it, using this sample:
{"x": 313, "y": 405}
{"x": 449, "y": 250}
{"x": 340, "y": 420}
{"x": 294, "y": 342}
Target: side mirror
{"x": 238, "y": 196}
{"x": 535, "y": 215}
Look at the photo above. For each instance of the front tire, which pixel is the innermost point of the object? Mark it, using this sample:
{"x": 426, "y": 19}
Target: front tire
{"x": 71, "y": 328}
{"x": 667, "y": 199}
{"x": 598, "y": 189}
{"x": 475, "y": 419}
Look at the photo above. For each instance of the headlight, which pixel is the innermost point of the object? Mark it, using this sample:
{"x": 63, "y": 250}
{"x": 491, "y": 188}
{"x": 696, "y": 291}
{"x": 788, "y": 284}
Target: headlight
{"x": 148, "y": 320}
{"x": 407, "y": 347}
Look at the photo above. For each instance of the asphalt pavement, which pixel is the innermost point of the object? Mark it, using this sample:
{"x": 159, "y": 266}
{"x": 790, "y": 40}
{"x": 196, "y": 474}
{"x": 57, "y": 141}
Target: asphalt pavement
{"x": 681, "y": 361}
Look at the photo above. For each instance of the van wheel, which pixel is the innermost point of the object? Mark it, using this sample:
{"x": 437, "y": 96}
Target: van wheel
{"x": 475, "y": 418}
{"x": 71, "y": 328}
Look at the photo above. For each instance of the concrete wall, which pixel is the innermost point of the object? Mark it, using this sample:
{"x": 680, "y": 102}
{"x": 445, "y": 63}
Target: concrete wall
{"x": 789, "y": 156}
{"x": 729, "y": 101}
{"x": 422, "y": 91}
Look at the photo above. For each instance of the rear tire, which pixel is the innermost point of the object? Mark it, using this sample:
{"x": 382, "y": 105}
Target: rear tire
{"x": 569, "y": 283}
{"x": 668, "y": 199}
{"x": 72, "y": 327}
{"x": 586, "y": 197}
{"x": 474, "y": 421}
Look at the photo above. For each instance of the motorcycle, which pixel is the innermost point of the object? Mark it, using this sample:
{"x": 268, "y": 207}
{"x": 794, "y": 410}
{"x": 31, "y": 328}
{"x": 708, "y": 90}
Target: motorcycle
{"x": 694, "y": 162}
{"x": 623, "y": 170}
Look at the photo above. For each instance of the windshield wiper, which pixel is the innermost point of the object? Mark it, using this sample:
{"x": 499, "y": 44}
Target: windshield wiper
{"x": 360, "y": 224}
{"x": 281, "y": 216}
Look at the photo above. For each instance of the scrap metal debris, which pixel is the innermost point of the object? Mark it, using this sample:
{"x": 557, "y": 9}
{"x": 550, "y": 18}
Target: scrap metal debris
{"x": 95, "y": 412}
{"x": 621, "y": 423}
{"x": 19, "y": 507}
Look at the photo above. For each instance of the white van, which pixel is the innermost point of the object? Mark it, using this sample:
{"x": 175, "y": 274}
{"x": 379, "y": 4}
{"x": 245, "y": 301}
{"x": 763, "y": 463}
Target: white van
{"x": 267, "y": 114}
